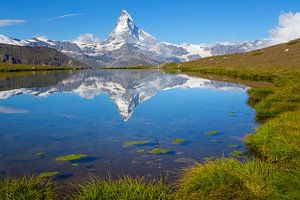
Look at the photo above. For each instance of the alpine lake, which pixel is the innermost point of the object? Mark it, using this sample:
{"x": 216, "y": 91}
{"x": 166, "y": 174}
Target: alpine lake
{"x": 73, "y": 124}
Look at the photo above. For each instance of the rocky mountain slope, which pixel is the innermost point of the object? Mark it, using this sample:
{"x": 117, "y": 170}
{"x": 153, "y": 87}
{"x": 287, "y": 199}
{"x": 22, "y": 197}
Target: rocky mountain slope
{"x": 36, "y": 56}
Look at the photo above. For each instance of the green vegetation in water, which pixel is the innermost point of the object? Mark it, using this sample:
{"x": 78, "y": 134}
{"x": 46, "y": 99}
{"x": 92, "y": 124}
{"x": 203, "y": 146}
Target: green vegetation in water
{"x": 136, "y": 142}
{"x": 124, "y": 188}
{"x": 211, "y": 132}
{"x": 75, "y": 164}
{"x": 232, "y": 114}
{"x": 159, "y": 151}
{"x": 216, "y": 141}
{"x": 40, "y": 154}
{"x": 232, "y": 146}
{"x": 48, "y": 174}
{"x": 140, "y": 150}
{"x": 178, "y": 141}
{"x": 27, "y": 188}
{"x": 71, "y": 157}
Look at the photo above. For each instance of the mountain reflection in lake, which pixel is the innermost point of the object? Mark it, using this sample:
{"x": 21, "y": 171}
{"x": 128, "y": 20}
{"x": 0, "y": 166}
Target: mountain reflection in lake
{"x": 116, "y": 117}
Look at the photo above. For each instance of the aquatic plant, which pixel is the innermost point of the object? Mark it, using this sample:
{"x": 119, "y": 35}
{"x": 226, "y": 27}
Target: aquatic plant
{"x": 232, "y": 146}
{"x": 48, "y": 174}
{"x": 215, "y": 141}
{"x": 140, "y": 150}
{"x": 136, "y": 142}
{"x": 211, "y": 132}
{"x": 159, "y": 151}
{"x": 123, "y": 188}
{"x": 232, "y": 114}
{"x": 75, "y": 164}
{"x": 71, "y": 157}
{"x": 27, "y": 188}
{"x": 178, "y": 141}
{"x": 40, "y": 154}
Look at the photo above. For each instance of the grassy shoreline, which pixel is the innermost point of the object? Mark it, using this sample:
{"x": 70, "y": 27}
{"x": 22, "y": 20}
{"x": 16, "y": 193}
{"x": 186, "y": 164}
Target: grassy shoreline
{"x": 7, "y": 67}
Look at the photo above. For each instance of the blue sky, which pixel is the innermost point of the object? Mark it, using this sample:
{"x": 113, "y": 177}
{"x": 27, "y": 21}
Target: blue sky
{"x": 192, "y": 21}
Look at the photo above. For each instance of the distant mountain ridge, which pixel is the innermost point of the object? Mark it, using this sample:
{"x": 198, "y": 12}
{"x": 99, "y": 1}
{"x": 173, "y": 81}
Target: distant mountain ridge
{"x": 36, "y": 56}
{"x": 128, "y": 45}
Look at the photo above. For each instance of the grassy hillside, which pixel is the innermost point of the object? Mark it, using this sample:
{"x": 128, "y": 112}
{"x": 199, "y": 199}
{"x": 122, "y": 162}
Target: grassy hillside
{"x": 283, "y": 55}
{"x": 38, "y": 56}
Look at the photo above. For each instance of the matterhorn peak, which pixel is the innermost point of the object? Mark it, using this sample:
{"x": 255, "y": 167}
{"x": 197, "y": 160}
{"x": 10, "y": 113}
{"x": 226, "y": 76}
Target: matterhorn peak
{"x": 125, "y": 14}
{"x": 125, "y": 28}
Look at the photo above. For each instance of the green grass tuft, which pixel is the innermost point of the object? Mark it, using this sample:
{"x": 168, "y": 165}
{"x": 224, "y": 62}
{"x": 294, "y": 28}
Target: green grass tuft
{"x": 278, "y": 140}
{"x": 123, "y": 188}
{"x": 230, "y": 179}
{"x": 30, "y": 188}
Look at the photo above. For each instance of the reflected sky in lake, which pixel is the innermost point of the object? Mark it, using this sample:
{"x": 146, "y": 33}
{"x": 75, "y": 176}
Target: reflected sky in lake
{"x": 95, "y": 112}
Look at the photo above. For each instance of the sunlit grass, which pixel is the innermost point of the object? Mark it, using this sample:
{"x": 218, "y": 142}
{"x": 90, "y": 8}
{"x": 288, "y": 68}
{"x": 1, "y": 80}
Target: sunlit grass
{"x": 230, "y": 179}
{"x": 27, "y": 188}
{"x": 123, "y": 188}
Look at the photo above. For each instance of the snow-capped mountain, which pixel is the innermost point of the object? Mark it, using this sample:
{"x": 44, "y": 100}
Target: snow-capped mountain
{"x": 128, "y": 44}
{"x": 127, "y": 89}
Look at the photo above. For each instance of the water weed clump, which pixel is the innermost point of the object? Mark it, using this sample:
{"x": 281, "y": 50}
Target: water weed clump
{"x": 140, "y": 150}
{"x": 159, "y": 151}
{"x": 178, "y": 141}
{"x": 40, "y": 154}
{"x": 232, "y": 146}
{"x": 71, "y": 157}
{"x": 211, "y": 132}
{"x": 48, "y": 174}
{"x": 136, "y": 142}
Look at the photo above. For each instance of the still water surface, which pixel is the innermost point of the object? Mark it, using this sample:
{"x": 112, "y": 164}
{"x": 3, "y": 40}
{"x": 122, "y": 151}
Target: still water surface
{"x": 95, "y": 112}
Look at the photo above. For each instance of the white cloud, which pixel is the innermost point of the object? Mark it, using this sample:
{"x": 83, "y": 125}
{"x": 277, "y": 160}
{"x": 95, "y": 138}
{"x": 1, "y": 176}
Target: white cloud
{"x": 9, "y": 22}
{"x": 287, "y": 29}
{"x": 86, "y": 39}
{"x": 65, "y": 16}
